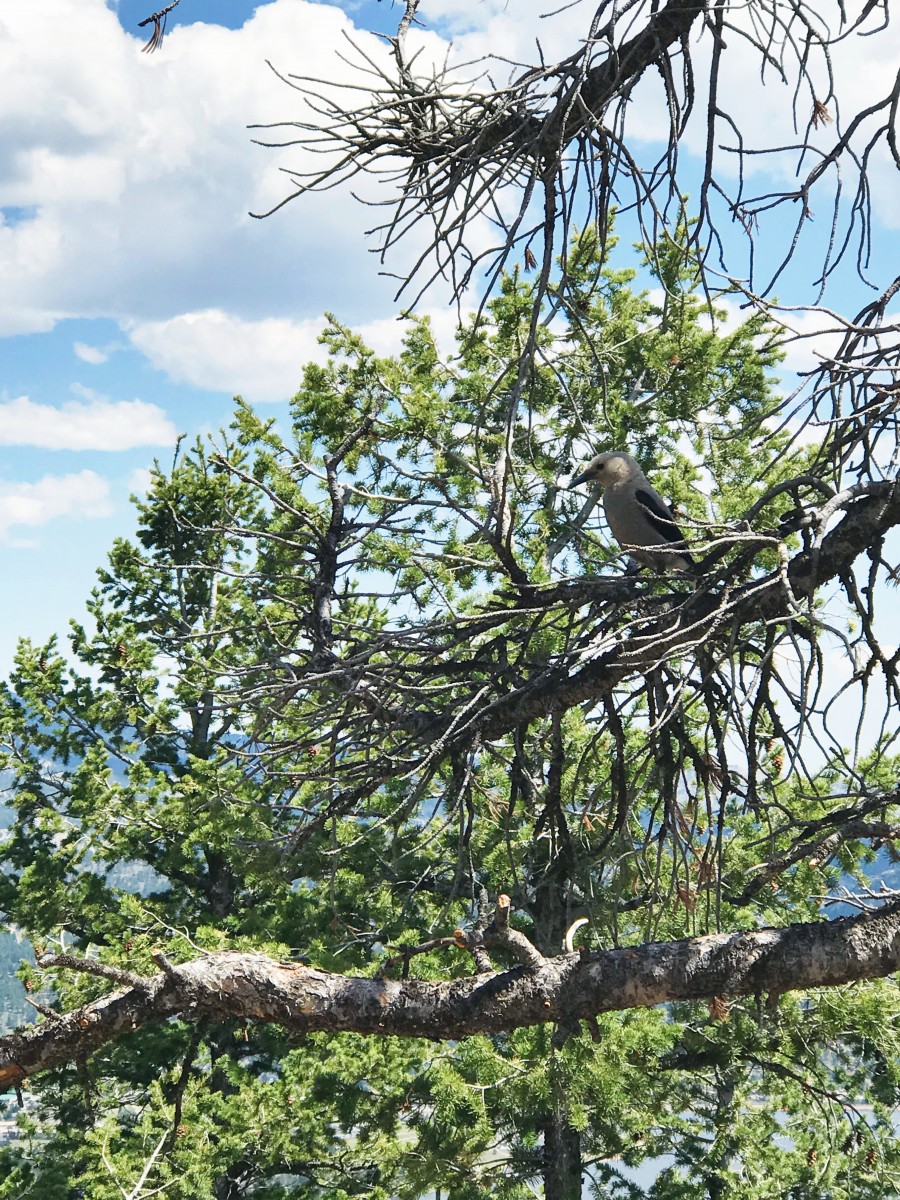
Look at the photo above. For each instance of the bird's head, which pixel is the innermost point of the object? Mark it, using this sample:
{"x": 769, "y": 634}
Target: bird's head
{"x": 615, "y": 466}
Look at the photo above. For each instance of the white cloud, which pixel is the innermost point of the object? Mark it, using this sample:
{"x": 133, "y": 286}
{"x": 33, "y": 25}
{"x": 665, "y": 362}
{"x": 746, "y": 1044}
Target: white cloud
{"x": 133, "y": 186}
{"x": 140, "y": 480}
{"x": 811, "y": 338}
{"x": 84, "y": 494}
{"x": 97, "y": 424}
{"x": 260, "y": 360}
{"x": 385, "y": 335}
{"x": 90, "y": 354}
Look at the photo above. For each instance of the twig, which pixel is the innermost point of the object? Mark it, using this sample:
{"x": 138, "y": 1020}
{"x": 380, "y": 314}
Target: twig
{"x": 159, "y": 27}
{"x": 501, "y": 933}
{"x": 90, "y": 966}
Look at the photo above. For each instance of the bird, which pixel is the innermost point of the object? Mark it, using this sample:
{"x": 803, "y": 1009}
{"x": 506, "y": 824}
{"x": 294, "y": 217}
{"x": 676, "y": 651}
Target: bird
{"x": 638, "y": 516}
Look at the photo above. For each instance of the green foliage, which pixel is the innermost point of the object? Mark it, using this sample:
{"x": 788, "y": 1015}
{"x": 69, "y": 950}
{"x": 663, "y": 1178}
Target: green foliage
{"x": 244, "y": 747}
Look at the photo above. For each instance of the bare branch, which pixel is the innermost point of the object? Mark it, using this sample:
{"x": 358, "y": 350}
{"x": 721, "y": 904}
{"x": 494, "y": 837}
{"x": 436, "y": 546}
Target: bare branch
{"x": 159, "y": 27}
{"x": 450, "y": 147}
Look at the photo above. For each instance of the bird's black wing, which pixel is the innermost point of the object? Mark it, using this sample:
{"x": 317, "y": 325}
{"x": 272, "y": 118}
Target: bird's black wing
{"x": 663, "y": 522}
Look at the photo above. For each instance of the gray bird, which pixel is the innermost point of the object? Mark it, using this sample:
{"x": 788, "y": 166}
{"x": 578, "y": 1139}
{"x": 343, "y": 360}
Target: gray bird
{"x": 637, "y": 514}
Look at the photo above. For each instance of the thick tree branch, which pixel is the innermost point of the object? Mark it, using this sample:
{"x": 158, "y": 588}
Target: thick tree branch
{"x": 695, "y": 622}
{"x": 583, "y": 95}
{"x": 566, "y": 988}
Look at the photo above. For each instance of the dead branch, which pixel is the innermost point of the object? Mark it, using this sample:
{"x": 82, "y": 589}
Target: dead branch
{"x": 159, "y": 27}
{"x": 449, "y": 146}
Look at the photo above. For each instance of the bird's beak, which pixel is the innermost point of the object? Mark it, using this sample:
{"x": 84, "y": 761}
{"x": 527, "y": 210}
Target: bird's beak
{"x": 577, "y": 479}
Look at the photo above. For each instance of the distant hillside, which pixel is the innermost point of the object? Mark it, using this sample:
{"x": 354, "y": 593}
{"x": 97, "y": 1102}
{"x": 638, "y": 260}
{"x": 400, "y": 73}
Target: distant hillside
{"x": 14, "y": 1008}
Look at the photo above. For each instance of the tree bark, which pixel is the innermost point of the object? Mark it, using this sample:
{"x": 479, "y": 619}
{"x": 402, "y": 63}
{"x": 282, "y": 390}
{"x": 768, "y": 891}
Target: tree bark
{"x": 583, "y": 98}
{"x": 564, "y": 989}
{"x": 562, "y": 1159}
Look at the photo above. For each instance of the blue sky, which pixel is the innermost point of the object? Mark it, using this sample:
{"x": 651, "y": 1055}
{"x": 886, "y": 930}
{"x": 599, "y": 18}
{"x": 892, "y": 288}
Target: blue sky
{"x": 138, "y": 294}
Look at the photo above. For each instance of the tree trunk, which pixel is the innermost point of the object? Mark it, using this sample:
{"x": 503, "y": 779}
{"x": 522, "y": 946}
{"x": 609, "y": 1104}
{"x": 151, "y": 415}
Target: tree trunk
{"x": 561, "y": 1166}
{"x": 562, "y": 1159}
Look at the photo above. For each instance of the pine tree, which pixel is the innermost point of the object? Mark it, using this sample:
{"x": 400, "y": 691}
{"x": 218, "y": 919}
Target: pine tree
{"x": 369, "y": 680}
